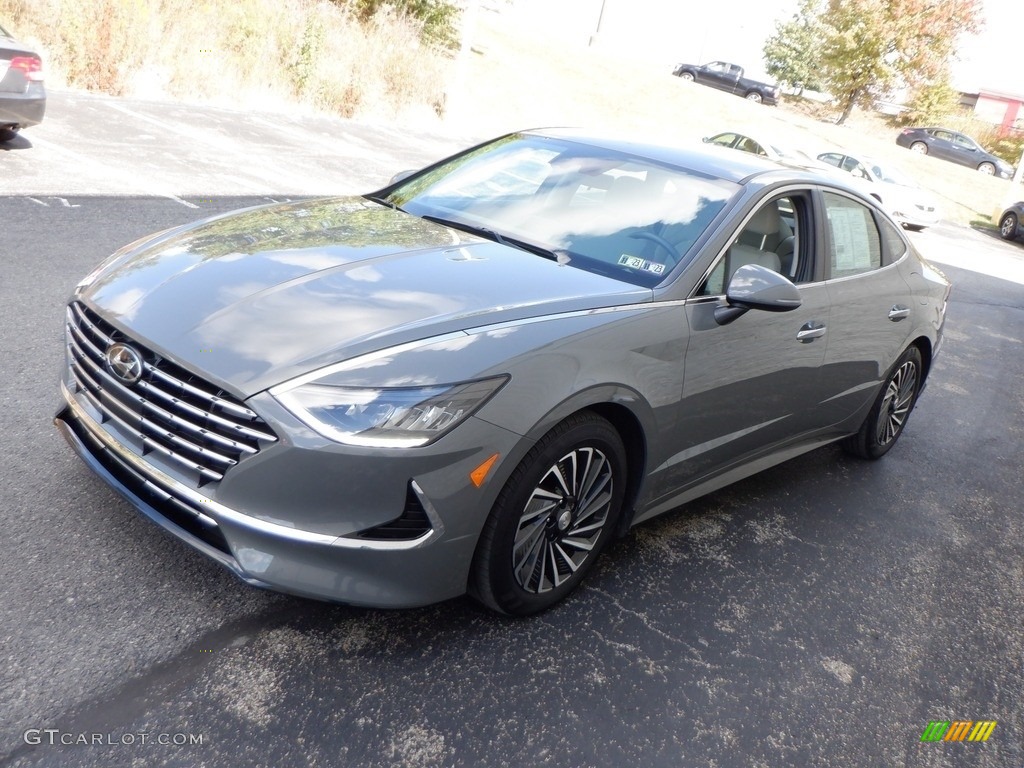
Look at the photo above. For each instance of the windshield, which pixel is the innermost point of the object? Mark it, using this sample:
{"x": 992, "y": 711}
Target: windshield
{"x": 588, "y": 207}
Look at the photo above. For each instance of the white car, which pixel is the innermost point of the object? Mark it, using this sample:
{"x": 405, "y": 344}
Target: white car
{"x": 900, "y": 195}
{"x": 765, "y": 146}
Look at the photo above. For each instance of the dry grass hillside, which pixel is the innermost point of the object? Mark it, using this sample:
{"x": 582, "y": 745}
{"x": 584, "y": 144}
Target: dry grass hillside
{"x": 521, "y": 75}
{"x": 520, "y": 72}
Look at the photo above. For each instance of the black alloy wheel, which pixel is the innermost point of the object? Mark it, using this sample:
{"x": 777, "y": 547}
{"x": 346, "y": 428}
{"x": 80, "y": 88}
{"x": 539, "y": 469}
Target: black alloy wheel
{"x": 553, "y": 517}
{"x": 888, "y": 416}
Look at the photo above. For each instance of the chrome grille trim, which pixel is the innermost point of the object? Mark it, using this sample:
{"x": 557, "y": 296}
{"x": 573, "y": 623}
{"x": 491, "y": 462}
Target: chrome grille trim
{"x": 190, "y": 423}
{"x": 183, "y": 424}
{"x": 217, "y": 402}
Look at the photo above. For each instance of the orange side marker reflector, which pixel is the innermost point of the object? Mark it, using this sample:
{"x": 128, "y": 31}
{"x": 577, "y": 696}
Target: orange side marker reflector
{"x": 479, "y": 474}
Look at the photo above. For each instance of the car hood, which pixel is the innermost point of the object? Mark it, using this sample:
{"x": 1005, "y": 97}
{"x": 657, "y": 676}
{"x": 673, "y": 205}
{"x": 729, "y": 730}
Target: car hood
{"x": 254, "y": 298}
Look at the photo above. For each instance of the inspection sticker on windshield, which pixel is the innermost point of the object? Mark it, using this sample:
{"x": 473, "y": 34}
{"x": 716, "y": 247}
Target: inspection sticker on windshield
{"x": 635, "y": 262}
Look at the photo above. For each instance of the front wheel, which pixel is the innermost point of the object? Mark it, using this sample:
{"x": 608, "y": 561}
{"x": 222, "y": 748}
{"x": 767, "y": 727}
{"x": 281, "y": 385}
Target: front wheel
{"x": 754, "y": 96}
{"x": 987, "y": 168}
{"x": 888, "y": 416}
{"x": 687, "y": 76}
{"x": 553, "y": 517}
{"x": 920, "y": 147}
{"x": 1008, "y": 226}
{"x": 6, "y": 134}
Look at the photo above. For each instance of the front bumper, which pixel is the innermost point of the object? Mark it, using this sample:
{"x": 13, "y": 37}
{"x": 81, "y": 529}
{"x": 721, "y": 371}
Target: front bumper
{"x": 311, "y": 561}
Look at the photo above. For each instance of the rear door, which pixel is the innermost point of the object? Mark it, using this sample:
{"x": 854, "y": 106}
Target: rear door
{"x": 942, "y": 146}
{"x": 870, "y": 303}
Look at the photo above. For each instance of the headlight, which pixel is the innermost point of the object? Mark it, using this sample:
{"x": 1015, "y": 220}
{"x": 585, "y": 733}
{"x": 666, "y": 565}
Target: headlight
{"x": 395, "y": 417}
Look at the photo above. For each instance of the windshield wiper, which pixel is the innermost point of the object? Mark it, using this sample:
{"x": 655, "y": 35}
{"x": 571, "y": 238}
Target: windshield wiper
{"x": 490, "y": 234}
{"x": 382, "y": 201}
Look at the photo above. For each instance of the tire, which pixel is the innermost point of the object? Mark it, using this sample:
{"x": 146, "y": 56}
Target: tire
{"x": 687, "y": 76}
{"x": 1008, "y": 226}
{"x": 888, "y": 416}
{"x": 6, "y": 134}
{"x": 920, "y": 147}
{"x": 753, "y": 96}
{"x": 560, "y": 534}
{"x": 987, "y": 168}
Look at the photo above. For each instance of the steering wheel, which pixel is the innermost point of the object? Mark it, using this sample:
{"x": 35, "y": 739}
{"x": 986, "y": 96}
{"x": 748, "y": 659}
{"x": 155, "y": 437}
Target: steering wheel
{"x": 643, "y": 234}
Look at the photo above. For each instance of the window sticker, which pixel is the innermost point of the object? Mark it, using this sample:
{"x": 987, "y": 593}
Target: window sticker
{"x": 635, "y": 262}
{"x": 850, "y": 232}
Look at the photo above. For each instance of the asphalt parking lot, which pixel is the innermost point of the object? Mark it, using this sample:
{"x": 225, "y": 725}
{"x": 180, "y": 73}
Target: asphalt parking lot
{"x": 821, "y": 613}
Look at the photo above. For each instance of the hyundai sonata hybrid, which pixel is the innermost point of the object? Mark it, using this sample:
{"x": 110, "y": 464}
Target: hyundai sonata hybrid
{"x": 476, "y": 377}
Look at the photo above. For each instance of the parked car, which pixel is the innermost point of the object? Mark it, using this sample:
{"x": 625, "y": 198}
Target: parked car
{"x": 900, "y": 195}
{"x": 1010, "y": 222}
{"x": 22, "y": 94}
{"x": 729, "y": 78}
{"x": 476, "y": 377}
{"x": 765, "y": 147}
{"x": 956, "y": 147}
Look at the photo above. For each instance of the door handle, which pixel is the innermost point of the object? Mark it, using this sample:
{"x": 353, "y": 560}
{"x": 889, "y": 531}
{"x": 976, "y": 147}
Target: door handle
{"x": 898, "y": 313}
{"x": 809, "y": 332}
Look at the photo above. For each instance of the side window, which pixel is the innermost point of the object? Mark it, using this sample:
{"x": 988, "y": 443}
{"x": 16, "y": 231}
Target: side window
{"x": 963, "y": 141}
{"x": 747, "y": 144}
{"x": 724, "y": 140}
{"x": 854, "y": 243}
{"x": 855, "y": 167}
{"x": 832, "y": 158}
{"x": 944, "y": 135}
{"x": 776, "y": 236}
{"x": 893, "y": 243}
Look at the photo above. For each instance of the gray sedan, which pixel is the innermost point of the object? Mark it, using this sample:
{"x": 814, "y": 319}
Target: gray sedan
{"x": 955, "y": 147}
{"x": 477, "y": 377}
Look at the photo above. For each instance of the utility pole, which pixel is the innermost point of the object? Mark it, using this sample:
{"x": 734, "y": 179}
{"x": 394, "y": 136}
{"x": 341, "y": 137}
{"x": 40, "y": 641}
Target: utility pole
{"x": 597, "y": 31}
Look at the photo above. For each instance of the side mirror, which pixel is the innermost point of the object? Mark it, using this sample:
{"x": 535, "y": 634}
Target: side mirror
{"x": 400, "y": 176}
{"x": 755, "y": 287}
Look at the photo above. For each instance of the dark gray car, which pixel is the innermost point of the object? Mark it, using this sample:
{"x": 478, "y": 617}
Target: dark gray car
{"x": 956, "y": 147}
{"x": 22, "y": 94}
{"x": 477, "y": 377}
{"x": 1010, "y": 226}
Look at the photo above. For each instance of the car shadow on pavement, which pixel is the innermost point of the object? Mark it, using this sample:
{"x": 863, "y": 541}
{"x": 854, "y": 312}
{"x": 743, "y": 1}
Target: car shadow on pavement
{"x": 991, "y": 231}
{"x": 18, "y": 142}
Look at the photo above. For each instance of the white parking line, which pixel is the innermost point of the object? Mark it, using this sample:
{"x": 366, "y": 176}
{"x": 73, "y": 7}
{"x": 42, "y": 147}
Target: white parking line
{"x": 102, "y": 171}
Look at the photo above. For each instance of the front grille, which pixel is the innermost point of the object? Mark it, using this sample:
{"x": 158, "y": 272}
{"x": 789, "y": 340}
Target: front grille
{"x": 193, "y": 425}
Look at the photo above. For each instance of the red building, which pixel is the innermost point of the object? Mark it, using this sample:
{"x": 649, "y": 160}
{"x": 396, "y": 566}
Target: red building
{"x": 1002, "y": 109}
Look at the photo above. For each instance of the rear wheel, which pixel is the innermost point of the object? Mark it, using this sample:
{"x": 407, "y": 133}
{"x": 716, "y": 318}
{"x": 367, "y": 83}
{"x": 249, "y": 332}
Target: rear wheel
{"x": 888, "y": 416}
{"x": 920, "y": 147}
{"x": 1008, "y": 226}
{"x": 6, "y": 134}
{"x": 553, "y": 517}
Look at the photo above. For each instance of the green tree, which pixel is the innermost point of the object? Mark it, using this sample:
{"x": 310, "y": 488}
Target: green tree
{"x": 791, "y": 54}
{"x": 870, "y": 46}
{"x": 932, "y": 102}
